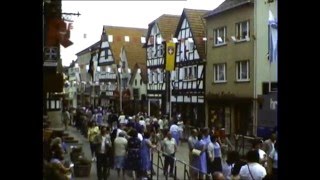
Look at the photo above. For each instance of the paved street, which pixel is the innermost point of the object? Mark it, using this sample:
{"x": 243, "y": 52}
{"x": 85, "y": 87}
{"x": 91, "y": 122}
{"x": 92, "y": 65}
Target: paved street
{"x": 182, "y": 155}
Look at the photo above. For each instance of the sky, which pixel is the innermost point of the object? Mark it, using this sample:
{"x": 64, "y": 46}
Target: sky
{"x": 87, "y": 27}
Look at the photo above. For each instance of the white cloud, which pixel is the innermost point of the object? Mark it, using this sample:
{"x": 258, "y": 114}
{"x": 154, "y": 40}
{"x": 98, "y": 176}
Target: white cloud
{"x": 95, "y": 14}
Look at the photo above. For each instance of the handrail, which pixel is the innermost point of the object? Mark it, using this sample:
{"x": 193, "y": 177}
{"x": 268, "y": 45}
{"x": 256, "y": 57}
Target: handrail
{"x": 240, "y": 142}
{"x": 186, "y": 173}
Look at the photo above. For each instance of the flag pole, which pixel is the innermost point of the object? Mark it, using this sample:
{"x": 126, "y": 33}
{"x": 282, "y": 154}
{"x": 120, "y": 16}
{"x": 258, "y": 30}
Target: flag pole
{"x": 269, "y": 76}
{"x": 269, "y": 55}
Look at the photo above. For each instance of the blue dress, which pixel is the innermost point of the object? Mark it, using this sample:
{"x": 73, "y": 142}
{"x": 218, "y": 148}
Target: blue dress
{"x": 145, "y": 155}
{"x": 133, "y": 161}
{"x": 200, "y": 162}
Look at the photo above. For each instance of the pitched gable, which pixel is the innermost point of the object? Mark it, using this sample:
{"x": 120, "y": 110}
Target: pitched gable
{"x": 134, "y": 51}
{"x": 167, "y": 25}
{"x": 197, "y": 26}
{"x": 143, "y": 68}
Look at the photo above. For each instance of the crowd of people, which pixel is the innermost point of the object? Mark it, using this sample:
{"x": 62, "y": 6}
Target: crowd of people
{"x": 125, "y": 143}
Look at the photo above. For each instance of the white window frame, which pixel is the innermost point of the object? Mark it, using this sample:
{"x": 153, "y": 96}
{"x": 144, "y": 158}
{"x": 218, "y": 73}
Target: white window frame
{"x": 189, "y": 45}
{"x": 150, "y": 77}
{"x": 239, "y": 32}
{"x": 217, "y": 34}
{"x": 176, "y": 74}
{"x": 185, "y": 69}
{"x": 240, "y": 73}
{"x": 216, "y": 73}
{"x": 189, "y": 73}
{"x": 160, "y": 76}
{"x": 154, "y": 77}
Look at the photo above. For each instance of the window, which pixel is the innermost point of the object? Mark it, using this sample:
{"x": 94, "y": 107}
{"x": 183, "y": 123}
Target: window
{"x": 219, "y": 73}
{"x": 190, "y": 73}
{"x": 242, "y": 30}
{"x": 182, "y": 51}
{"x": 149, "y": 52}
{"x": 195, "y": 71}
{"x": 185, "y": 73}
{"x": 176, "y": 74}
{"x": 135, "y": 82}
{"x": 160, "y": 77}
{"x": 160, "y": 50}
{"x": 106, "y": 54}
{"x": 190, "y": 45}
{"x": 155, "y": 77}
{"x": 242, "y": 70}
{"x": 140, "y": 82}
{"x": 220, "y": 36}
{"x": 150, "y": 77}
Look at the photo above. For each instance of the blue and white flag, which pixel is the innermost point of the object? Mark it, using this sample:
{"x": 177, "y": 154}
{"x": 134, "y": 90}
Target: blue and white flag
{"x": 273, "y": 38}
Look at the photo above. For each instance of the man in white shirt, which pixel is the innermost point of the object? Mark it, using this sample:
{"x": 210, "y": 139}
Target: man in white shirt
{"x": 169, "y": 147}
{"x": 121, "y": 119}
{"x": 160, "y": 122}
{"x": 252, "y": 170}
{"x": 257, "y": 145}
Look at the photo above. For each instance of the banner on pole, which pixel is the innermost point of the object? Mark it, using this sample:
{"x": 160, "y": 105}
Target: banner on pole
{"x": 170, "y": 56}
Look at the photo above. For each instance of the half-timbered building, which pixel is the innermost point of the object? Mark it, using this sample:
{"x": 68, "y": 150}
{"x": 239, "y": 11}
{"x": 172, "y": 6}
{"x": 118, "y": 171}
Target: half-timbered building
{"x": 120, "y": 50}
{"x": 188, "y": 85}
{"x": 138, "y": 83}
{"x": 160, "y": 31}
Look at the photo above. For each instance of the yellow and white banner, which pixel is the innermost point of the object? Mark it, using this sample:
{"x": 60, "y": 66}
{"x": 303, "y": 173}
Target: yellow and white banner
{"x": 170, "y": 55}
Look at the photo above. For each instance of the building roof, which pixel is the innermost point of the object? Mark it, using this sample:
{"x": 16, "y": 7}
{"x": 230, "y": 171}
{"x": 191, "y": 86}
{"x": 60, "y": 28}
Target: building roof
{"x": 133, "y": 49}
{"x": 167, "y": 25}
{"x": 143, "y": 69}
{"x": 94, "y": 46}
{"x": 227, "y": 5}
{"x": 197, "y": 27}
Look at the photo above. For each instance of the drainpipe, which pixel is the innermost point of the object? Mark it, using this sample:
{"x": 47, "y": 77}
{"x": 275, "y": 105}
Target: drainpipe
{"x": 255, "y": 60}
